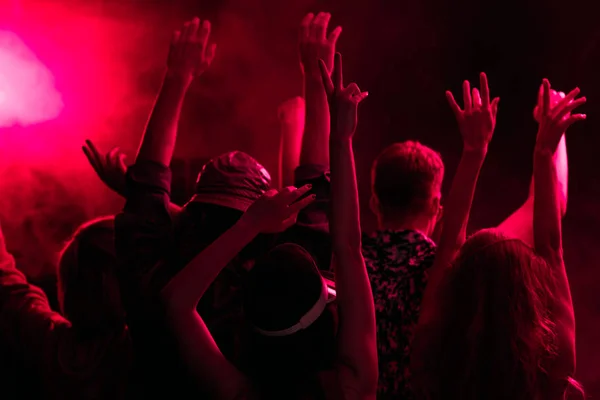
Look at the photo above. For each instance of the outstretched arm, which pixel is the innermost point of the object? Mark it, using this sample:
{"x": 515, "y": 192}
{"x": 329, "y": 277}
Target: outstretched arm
{"x": 272, "y": 213}
{"x": 520, "y": 223}
{"x": 357, "y": 342}
{"x": 316, "y": 45}
{"x": 112, "y": 170}
{"x": 190, "y": 55}
{"x": 476, "y": 122}
{"x": 547, "y": 217}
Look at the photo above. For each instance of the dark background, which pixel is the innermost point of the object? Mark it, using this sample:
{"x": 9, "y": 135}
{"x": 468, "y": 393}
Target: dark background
{"x": 405, "y": 53}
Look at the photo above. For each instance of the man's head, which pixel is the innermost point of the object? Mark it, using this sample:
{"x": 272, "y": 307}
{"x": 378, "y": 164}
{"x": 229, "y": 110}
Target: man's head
{"x": 88, "y": 289}
{"x": 233, "y": 180}
{"x": 406, "y": 181}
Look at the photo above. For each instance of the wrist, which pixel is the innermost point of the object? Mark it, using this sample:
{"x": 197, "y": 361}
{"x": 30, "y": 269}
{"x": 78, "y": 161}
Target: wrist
{"x": 248, "y": 226}
{"x": 477, "y": 151}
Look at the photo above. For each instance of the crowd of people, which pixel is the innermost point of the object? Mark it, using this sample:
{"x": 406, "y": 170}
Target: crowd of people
{"x": 264, "y": 290}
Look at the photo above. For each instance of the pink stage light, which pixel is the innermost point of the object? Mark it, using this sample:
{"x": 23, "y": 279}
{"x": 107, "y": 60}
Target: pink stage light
{"x": 27, "y": 92}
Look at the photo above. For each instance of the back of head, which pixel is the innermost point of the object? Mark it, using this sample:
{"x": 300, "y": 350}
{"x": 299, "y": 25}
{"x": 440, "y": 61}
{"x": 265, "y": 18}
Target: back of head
{"x": 233, "y": 180}
{"x": 285, "y": 291}
{"x": 496, "y": 329}
{"x": 89, "y": 294}
{"x": 405, "y": 178}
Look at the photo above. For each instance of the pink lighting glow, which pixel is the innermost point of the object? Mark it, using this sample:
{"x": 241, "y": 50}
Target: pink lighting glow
{"x": 27, "y": 92}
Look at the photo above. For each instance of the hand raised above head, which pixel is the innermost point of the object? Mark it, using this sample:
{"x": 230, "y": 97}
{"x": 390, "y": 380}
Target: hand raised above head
{"x": 276, "y": 211}
{"x": 190, "y": 53}
{"x": 555, "y": 97}
{"x": 477, "y": 120}
{"x": 555, "y": 119}
{"x": 315, "y": 44}
{"x": 343, "y": 100}
{"x": 110, "y": 167}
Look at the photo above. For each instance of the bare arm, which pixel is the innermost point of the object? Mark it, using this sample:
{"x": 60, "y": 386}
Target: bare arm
{"x": 477, "y": 122}
{"x": 316, "y": 45}
{"x": 189, "y": 56}
{"x": 181, "y": 295}
{"x": 357, "y": 338}
{"x": 547, "y": 216}
{"x": 273, "y": 212}
{"x": 520, "y": 223}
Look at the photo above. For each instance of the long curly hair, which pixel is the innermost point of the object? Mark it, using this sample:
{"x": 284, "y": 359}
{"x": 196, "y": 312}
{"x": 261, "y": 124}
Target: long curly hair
{"x": 496, "y": 331}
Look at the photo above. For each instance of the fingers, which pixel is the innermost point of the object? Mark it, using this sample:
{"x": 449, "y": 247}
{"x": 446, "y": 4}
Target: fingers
{"x": 476, "y": 98}
{"x": 566, "y": 100}
{"x": 305, "y": 26}
{"x": 453, "y": 105}
{"x": 494, "y": 106}
{"x": 360, "y": 97}
{"x": 570, "y": 120}
{"x": 121, "y": 162}
{"x": 467, "y": 96}
{"x": 334, "y": 35}
{"x": 93, "y": 156}
{"x": 485, "y": 90}
{"x": 338, "y": 77}
{"x": 112, "y": 157}
{"x": 188, "y": 30}
{"x": 317, "y": 28}
{"x": 326, "y": 77}
{"x": 210, "y": 52}
{"x": 290, "y": 194}
{"x": 545, "y": 97}
{"x": 563, "y": 110}
{"x": 203, "y": 34}
{"x": 300, "y": 204}
{"x": 322, "y": 24}
{"x": 352, "y": 89}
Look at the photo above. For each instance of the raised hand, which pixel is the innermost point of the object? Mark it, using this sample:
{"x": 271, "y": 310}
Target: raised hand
{"x": 110, "y": 167}
{"x": 478, "y": 118}
{"x": 343, "y": 100}
{"x": 315, "y": 44}
{"x": 277, "y": 211}
{"x": 554, "y": 120}
{"x": 555, "y": 97}
{"x": 190, "y": 53}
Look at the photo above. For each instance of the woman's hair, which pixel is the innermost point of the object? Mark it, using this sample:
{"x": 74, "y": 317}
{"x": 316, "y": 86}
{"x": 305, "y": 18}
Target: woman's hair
{"x": 88, "y": 289}
{"x": 495, "y": 331}
{"x": 279, "y": 290}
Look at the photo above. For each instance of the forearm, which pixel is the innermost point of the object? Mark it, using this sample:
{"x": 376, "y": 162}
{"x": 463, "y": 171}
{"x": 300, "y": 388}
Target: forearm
{"x": 158, "y": 143}
{"x": 453, "y": 233}
{"x": 188, "y": 286}
{"x": 357, "y": 335}
{"x": 546, "y": 213}
{"x": 315, "y": 143}
{"x": 458, "y": 205}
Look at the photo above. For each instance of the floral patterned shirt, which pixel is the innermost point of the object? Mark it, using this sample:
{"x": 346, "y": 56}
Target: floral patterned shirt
{"x": 397, "y": 262}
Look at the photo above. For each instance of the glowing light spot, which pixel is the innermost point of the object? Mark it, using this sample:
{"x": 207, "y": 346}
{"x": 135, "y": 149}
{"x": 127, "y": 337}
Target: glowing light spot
{"x": 27, "y": 92}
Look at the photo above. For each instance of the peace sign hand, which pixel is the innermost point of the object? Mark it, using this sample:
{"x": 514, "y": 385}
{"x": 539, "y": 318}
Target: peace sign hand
{"x": 343, "y": 101}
